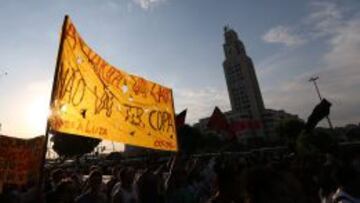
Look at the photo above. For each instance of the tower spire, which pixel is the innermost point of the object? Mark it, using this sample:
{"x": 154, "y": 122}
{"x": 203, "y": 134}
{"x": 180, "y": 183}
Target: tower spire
{"x": 243, "y": 87}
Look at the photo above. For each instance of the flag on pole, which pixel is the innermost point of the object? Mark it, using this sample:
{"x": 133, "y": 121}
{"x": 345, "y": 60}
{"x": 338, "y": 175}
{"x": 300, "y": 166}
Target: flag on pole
{"x": 218, "y": 120}
{"x": 180, "y": 119}
{"x": 94, "y": 99}
{"x": 320, "y": 111}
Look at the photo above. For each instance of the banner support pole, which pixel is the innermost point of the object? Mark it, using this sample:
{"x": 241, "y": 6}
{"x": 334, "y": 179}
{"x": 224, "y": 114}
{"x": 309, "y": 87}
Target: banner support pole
{"x": 176, "y": 155}
{"x": 43, "y": 159}
{"x": 175, "y": 127}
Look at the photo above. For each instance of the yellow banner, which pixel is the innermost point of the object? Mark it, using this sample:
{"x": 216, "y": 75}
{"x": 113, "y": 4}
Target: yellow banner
{"x": 20, "y": 159}
{"x": 93, "y": 98}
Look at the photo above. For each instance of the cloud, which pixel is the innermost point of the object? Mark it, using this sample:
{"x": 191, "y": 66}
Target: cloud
{"x": 324, "y": 19}
{"x": 339, "y": 79}
{"x": 147, "y": 4}
{"x": 343, "y": 69}
{"x": 201, "y": 102}
{"x": 284, "y": 35}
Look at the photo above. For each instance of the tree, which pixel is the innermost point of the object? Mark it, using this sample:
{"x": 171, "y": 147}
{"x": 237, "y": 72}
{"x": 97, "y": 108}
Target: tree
{"x": 69, "y": 145}
{"x": 353, "y": 134}
{"x": 192, "y": 140}
{"x": 211, "y": 142}
{"x": 289, "y": 130}
{"x": 316, "y": 142}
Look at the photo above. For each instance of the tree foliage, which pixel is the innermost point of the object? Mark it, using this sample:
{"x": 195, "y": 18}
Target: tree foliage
{"x": 68, "y": 145}
{"x": 289, "y": 130}
{"x": 353, "y": 134}
{"x": 192, "y": 140}
{"x": 316, "y": 142}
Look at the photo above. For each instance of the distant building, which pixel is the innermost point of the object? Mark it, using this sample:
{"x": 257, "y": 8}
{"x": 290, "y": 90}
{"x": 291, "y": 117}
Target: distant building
{"x": 244, "y": 92}
{"x": 242, "y": 84}
{"x": 272, "y": 117}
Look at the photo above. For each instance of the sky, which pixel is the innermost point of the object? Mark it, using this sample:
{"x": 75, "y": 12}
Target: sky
{"x": 178, "y": 43}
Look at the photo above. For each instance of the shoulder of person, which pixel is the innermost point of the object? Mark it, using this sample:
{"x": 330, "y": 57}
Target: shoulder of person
{"x": 115, "y": 188}
{"x": 342, "y": 197}
{"x": 82, "y": 198}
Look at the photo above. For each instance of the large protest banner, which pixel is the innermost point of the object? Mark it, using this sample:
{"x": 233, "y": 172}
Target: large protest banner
{"x": 20, "y": 159}
{"x": 92, "y": 98}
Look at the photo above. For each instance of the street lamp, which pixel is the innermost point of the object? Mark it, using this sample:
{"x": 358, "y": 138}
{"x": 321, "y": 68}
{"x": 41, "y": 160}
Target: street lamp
{"x": 313, "y": 79}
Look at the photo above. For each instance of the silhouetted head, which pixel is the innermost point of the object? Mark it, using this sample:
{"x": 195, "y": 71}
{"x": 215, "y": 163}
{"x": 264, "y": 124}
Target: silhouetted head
{"x": 127, "y": 177}
{"x": 261, "y": 184}
{"x": 95, "y": 180}
{"x": 66, "y": 190}
{"x": 56, "y": 176}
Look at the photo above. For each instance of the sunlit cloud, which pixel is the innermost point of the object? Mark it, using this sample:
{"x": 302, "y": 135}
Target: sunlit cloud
{"x": 41, "y": 86}
{"x": 147, "y": 4}
{"x": 37, "y": 109}
{"x": 283, "y": 35}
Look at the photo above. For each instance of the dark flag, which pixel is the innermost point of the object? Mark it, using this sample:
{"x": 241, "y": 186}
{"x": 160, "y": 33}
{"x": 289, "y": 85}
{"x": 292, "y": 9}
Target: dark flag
{"x": 320, "y": 111}
{"x": 180, "y": 119}
{"x": 219, "y": 123}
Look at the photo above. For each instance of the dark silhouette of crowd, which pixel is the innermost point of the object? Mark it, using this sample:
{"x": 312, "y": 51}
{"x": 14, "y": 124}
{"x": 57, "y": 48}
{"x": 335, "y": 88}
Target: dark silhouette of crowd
{"x": 225, "y": 178}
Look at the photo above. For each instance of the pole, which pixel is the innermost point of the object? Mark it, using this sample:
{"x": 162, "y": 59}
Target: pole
{"x": 317, "y": 90}
{"x": 113, "y": 146}
{"x": 176, "y": 156}
{"x": 42, "y": 164}
{"x": 174, "y": 122}
{"x": 320, "y": 97}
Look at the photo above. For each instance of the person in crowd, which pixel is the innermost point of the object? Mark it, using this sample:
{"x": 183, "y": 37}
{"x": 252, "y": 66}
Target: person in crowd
{"x": 124, "y": 191}
{"x": 9, "y": 194}
{"x": 85, "y": 186}
{"x": 77, "y": 181}
{"x": 149, "y": 187}
{"x": 56, "y": 176}
{"x": 65, "y": 192}
{"x": 178, "y": 190}
{"x": 93, "y": 193}
{"x": 224, "y": 178}
{"x": 264, "y": 185}
{"x": 113, "y": 180}
{"x": 349, "y": 181}
{"x": 327, "y": 179}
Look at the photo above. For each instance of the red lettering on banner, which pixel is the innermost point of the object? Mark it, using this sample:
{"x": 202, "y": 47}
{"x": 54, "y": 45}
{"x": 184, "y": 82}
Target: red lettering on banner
{"x": 160, "y": 94}
{"x": 161, "y": 121}
{"x": 163, "y": 144}
{"x": 140, "y": 86}
{"x": 106, "y": 72}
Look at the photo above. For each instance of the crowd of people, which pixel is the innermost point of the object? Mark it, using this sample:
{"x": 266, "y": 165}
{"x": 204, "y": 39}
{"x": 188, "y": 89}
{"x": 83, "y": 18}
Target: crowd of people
{"x": 283, "y": 178}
